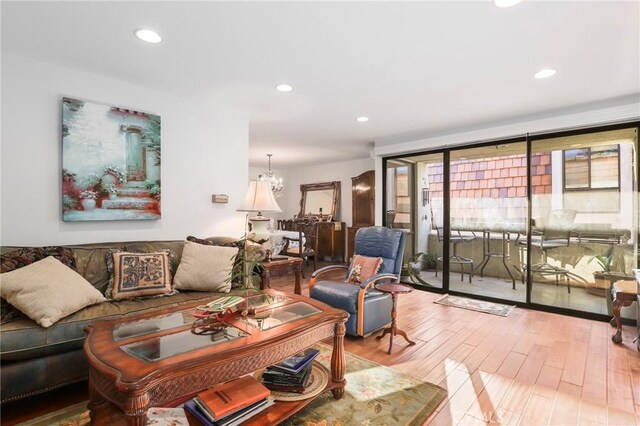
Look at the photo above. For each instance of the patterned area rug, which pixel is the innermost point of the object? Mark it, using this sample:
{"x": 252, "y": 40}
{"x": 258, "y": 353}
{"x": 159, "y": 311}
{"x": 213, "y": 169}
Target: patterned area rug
{"x": 375, "y": 395}
{"x": 476, "y": 305}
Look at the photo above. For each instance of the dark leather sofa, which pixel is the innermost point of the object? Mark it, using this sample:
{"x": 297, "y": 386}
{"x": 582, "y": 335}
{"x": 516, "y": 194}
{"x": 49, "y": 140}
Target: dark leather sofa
{"x": 34, "y": 359}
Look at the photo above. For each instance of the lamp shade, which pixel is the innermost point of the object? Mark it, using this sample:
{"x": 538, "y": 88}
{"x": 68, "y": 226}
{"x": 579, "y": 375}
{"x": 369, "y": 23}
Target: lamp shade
{"x": 259, "y": 198}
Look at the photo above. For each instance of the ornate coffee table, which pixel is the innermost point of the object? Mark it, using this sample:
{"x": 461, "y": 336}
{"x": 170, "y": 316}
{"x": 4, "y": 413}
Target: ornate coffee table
{"x": 162, "y": 359}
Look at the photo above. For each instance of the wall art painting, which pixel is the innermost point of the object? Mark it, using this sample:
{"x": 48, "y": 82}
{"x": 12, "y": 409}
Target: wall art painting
{"x": 110, "y": 163}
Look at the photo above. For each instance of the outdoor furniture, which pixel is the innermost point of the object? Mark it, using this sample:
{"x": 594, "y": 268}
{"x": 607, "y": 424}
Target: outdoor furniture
{"x": 487, "y": 254}
{"x": 455, "y": 238}
{"x": 369, "y": 309}
{"x": 553, "y": 233}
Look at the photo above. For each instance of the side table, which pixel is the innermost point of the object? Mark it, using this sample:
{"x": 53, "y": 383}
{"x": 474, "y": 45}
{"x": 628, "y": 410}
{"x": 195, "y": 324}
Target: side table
{"x": 394, "y": 290}
{"x": 624, "y": 293}
{"x": 291, "y": 264}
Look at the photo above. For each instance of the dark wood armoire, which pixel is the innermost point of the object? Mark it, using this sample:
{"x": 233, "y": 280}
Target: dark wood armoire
{"x": 363, "y": 190}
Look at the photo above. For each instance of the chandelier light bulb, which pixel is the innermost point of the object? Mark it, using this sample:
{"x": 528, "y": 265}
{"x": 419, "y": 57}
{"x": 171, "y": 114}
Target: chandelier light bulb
{"x": 277, "y": 186}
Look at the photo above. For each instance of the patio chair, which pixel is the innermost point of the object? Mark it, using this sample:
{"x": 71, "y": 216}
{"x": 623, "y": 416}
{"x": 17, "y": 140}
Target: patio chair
{"x": 455, "y": 238}
{"x": 553, "y": 233}
{"x": 369, "y": 309}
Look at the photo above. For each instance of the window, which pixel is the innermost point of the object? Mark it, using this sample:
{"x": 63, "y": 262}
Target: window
{"x": 592, "y": 168}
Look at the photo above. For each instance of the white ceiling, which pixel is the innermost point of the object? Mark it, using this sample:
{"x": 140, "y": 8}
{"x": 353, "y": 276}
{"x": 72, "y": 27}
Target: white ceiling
{"x": 415, "y": 68}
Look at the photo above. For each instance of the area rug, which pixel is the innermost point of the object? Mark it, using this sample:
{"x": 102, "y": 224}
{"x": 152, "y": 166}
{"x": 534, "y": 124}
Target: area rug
{"x": 476, "y": 305}
{"x": 374, "y": 395}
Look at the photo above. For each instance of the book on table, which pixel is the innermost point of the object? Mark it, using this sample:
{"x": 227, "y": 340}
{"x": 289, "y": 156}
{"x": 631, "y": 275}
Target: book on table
{"x": 297, "y": 362}
{"x": 286, "y": 382}
{"x": 234, "y": 419}
{"x": 230, "y": 397}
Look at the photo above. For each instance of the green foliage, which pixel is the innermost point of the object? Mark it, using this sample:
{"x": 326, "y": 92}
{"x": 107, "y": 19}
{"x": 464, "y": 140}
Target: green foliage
{"x": 408, "y": 270}
{"x": 245, "y": 271}
{"x": 151, "y": 135}
{"x": 154, "y": 187}
{"x": 69, "y": 202}
{"x": 430, "y": 261}
{"x": 604, "y": 261}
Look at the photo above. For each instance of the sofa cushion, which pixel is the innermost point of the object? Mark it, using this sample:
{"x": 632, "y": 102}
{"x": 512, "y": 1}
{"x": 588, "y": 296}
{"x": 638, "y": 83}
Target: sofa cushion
{"x": 47, "y": 291}
{"x": 205, "y": 267}
{"x": 24, "y": 339}
{"x": 134, "y": 275}
{"x": 21, "y": 257}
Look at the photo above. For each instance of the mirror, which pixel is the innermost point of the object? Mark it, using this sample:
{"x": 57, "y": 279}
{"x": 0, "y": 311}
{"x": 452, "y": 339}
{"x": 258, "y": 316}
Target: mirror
{"x": 320, "y": 199}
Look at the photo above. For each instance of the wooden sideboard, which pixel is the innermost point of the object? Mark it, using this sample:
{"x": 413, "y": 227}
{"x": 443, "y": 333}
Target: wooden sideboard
{"x": 331, "y": 237}
{"x": 363, "y": 206}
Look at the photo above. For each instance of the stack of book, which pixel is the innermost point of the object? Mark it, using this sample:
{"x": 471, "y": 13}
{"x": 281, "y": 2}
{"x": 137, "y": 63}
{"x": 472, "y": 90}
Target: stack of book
{"x": 230, "y": 403}
{"x": 292, "y": 374}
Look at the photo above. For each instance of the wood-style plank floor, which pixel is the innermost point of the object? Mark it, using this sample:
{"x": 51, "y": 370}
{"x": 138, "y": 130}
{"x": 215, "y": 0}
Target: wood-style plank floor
{"x": 530, "y": 368}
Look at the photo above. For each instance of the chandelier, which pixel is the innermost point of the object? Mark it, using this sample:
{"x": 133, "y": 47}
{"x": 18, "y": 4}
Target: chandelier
{"x": 276, "y": 183}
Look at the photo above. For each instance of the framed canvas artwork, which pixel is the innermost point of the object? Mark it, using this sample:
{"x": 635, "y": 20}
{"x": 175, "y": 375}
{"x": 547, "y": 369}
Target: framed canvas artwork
{"x": 110, "y": 163}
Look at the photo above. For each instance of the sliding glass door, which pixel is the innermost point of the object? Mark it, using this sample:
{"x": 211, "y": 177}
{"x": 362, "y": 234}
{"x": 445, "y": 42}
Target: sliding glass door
{"x": 584, "y": 218}
{"x": 550, "y": 220}
{"x": 488, "y": 215}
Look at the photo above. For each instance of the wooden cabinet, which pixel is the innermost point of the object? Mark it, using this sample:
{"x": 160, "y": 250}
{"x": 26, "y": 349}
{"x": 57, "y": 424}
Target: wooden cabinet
{"x": 363, "y": 206}
{"x": 331, "y": 236}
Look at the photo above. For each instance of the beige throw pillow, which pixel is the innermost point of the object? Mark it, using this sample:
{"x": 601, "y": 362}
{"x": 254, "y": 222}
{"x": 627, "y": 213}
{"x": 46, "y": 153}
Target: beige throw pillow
{"x": 47, "y": 291}
{"x": 205, "y": 268}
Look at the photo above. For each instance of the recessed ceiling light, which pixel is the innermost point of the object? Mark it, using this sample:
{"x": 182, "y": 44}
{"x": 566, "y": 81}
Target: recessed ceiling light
{"x": 362, "y": 119}
{"x": 284, "y": 88}
{"x": 506, "y": 3}
{"x": 147, "y": 35}
{"x": 545, "y": 73}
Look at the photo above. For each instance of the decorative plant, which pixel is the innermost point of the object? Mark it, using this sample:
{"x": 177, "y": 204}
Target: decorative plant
{"x": 69, "y": 202}
{"x": 430, "y": 261}
{"x": 88, "y": 195}
{"x": 246, "y": 268}
{"x": 111, "y": 189}
{"x": 414, "y": 273}
{"x": 153, "y": 186}
{"x": 604, "y": 261}
{"x": 151, "y": 135}
{"x": 116, "y": 172}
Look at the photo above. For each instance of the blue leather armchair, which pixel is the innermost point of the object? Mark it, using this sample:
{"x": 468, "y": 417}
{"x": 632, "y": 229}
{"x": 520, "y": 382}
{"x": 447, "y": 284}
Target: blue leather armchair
{"x": 369, "y": 310}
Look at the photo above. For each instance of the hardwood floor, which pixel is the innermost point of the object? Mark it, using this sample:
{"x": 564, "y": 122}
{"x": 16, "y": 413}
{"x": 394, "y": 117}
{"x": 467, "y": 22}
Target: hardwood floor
{"x": 531, "y": 368}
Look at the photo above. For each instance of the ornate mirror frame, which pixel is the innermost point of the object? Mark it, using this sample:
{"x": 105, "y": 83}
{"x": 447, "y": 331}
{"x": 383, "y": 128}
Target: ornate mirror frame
{"x": 334, "y": 186}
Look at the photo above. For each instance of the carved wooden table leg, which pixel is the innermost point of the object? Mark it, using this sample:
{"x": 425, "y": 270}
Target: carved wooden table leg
{"x": 393, "y": 330}
{"x": 298, "y": 274}
{"x": 338, "y": 361}
{"x": 136, "y": 409}
{"x": 96, "y": 400}
{"x": 624, "y": 294}
{"x": 266, "y": 279}
{"x": 617, "y": 337}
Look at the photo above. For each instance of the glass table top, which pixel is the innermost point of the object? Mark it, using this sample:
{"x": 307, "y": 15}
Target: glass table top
{"x": 182, "y": 332}
{"x": 162, "y": 347}
{"x": 151, "y": 325}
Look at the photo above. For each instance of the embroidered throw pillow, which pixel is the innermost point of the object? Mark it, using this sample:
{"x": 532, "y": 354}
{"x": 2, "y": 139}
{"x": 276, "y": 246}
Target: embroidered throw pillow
{"x": 363, "y": 268}
{"x": 205, "y": 268}
{"x": 47, "y": 291}
{"x": 134, "y": 275}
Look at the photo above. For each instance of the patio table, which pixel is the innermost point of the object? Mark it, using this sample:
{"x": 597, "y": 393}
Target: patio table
{"x": 503, "y": 228}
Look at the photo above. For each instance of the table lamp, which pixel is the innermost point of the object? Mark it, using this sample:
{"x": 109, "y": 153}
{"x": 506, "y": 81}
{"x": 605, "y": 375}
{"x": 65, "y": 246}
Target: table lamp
{"x": 259, "y": 199}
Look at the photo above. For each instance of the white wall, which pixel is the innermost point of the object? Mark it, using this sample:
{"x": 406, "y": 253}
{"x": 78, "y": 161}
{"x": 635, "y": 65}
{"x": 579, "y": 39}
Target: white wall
{"x": 552, "y": 123}
{"x": 341, "y": 171}
{"x": 204, "y": 151}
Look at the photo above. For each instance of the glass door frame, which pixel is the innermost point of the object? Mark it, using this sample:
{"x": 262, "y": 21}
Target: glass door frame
{"x": 529, "y": 138}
